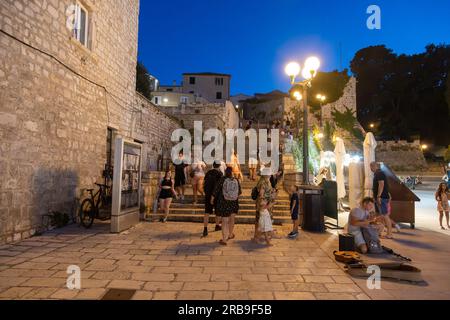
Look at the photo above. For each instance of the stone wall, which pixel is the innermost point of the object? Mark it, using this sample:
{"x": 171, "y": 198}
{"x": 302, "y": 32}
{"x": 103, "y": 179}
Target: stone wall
{"x": 213, "y": 115}
{"x": 401, "y": 156}
{"x": 57, "y": 101}
{"x": 348, "y": 100}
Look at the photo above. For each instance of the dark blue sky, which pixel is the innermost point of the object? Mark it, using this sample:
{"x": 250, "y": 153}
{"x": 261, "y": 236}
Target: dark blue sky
{"x": 253, "y": 39}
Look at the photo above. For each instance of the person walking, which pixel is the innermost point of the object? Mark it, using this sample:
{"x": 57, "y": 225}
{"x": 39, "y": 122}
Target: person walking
{"x": 180, "y": 174}
{"x": 235, "y": 166}
{"x": 442, "y": 196}
{"x": 382, "y": 197}
{"x": 166, "y": 194}
{"x": 211, "y": 178}
{"x": 265, "y": 194}
{"x": 227, "y": 193}
{"x": 295, "y": 209}
{"x": 198, "y": 175}
{"x": 265, "y": 222}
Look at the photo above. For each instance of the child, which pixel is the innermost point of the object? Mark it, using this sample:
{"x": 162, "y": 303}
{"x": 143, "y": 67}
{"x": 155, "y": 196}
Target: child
{"x": 441, "y": 196}
{"x": 265, "y": 222}
{"x": 294, "y": 209}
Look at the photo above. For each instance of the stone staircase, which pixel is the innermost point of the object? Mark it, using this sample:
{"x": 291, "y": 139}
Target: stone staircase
{"x": 186, "y": 211}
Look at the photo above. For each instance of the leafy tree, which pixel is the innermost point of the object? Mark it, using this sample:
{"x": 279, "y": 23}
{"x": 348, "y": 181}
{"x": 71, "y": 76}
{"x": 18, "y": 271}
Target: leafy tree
{"x": 447, "y": 154}
{"x": 407, "y": 94}
{"x": 330, "y": 84}
{"x": 143, "y": 80}
{"x": 347, "y": 120}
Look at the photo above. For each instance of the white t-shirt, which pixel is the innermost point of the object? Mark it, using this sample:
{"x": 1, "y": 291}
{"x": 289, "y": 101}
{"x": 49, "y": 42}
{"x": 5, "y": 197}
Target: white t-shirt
{"x": 198, "y": 167}
{"x": 360, "y": 215}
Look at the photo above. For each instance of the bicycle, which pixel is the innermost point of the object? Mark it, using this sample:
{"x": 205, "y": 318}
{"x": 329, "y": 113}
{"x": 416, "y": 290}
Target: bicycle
{"x": 98, "y": 206}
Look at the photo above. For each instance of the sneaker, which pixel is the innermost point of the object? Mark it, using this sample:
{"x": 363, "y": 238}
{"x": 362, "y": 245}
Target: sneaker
{"x": 218, "y": 228}
{"x": 398, "y": 228}
{"x": 293, "y": 235}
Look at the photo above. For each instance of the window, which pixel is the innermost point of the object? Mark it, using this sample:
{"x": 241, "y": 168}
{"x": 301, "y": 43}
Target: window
{"x": 184, "y": 99}
{"x": 109, "y": 147}
{"x": 169, "y": 90}
{"x": 191, "y": 80}
{"x": 219, "y": 81}
{"x": 157, "y": 100}
{"x": 219, "y": 95}
{"x": 81, "y": 30}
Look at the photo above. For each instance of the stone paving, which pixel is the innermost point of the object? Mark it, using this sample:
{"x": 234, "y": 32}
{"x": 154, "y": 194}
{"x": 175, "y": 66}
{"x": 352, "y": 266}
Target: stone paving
{"x": 171, "y": 261}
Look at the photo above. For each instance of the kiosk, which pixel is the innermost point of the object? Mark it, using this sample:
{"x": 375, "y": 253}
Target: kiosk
{"x": 127, "y": 185}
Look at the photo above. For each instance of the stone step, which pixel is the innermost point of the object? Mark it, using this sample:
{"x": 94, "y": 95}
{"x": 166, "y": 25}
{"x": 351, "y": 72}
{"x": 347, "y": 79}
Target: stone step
{"x": 240, "y": 219}
{"x": 243, "y": 205}
{"x": 242, "y": 211}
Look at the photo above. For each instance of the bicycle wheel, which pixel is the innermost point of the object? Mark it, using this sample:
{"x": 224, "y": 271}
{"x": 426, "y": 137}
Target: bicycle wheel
{"x": 87, "y": 213}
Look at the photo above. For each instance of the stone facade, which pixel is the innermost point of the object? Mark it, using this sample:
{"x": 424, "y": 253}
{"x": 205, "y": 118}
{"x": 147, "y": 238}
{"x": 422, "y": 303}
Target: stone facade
{"x": 266, "y": 108}
{"x": 401, "y": 155}
{"x": 348, "y": 100}
{"x": 220, "y": 116}
{"x": 57, "y": 100}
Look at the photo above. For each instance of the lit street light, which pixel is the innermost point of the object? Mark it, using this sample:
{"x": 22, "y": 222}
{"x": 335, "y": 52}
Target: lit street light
{"x": 322, "y": 100}
{"x": 293, "y": 69}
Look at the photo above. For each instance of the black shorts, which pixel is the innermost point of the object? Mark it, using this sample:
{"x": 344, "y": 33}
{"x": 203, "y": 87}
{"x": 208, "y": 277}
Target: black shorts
{"x": 180, "y": 180}
{"x": 209, "y": 208}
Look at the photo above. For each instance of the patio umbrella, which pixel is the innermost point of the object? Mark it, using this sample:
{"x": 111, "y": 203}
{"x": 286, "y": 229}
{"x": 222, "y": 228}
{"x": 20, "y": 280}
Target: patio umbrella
{"x": 355, "y": 184}
{"x": 340, "y": 157}
{"x": 370, "y": 144}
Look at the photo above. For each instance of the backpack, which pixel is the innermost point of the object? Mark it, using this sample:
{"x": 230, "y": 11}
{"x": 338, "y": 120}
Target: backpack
{"x": 230, "y": 189}
{"x": 372, "y": 240}
{"x": 255, "y": 193}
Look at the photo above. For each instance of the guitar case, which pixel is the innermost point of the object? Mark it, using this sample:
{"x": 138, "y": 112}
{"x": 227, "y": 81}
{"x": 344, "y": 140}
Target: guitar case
{"x": 391, "y": 270}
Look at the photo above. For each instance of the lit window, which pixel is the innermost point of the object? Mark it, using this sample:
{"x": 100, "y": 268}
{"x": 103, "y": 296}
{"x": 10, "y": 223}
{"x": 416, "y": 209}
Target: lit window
{"x": 81, "y": 30}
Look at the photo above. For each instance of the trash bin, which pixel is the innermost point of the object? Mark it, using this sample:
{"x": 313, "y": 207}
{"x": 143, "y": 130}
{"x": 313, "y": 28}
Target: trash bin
{"x": 312, "y": 208}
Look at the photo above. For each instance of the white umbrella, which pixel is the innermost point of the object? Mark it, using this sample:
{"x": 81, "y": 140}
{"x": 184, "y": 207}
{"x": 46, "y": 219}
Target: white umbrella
{"x": 370, "y": 144}
{"x": 355, "y": 184}
{"x": 340, "y": 157}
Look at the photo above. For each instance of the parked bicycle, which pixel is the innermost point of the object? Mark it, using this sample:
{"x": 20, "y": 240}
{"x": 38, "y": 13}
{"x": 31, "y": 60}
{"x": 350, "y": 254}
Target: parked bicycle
{"x": 98, "y": 206}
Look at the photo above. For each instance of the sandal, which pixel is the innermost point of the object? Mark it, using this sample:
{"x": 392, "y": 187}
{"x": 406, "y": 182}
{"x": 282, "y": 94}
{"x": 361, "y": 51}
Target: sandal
{"x": 223, "y": 243}
{"x": 231, "y": 237}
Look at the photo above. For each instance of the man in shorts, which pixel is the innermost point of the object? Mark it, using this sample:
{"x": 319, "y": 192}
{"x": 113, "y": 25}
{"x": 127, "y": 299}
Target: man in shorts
{"x": 382, "y": 196}
{"x": 360, "y": 217}
{"x": 212, "y": 177}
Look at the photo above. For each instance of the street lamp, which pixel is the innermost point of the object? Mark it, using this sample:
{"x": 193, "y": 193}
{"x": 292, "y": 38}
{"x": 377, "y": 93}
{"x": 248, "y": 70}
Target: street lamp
{"x": 322, "y": 100}
{"x": 293, "y": 69}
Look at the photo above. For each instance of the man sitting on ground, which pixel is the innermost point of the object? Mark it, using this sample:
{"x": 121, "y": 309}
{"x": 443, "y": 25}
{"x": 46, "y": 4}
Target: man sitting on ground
{"x": 361, "y": 218}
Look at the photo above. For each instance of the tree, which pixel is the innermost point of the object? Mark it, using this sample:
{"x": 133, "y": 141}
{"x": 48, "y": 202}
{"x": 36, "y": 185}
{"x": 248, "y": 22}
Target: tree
{"x": 143, "y": 80}
{"x": 407, "y": 94}
{"x": 330, "y": 84}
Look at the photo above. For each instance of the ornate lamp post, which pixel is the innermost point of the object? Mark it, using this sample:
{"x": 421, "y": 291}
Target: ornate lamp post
{"x": 293, "y": 69}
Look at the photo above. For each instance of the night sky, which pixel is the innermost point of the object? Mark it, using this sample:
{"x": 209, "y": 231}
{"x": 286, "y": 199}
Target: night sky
{"x": 253, "y": 39}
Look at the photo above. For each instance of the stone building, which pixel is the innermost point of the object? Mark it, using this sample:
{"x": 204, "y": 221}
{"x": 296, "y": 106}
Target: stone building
{"x": 269, "y": 107}
{"x": 64, "y": 95}
{"x": 220, "y": 116}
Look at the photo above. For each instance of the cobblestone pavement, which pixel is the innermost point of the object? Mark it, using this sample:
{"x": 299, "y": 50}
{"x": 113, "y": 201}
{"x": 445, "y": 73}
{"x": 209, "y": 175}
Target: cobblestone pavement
{"x": 171, "y": 261}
